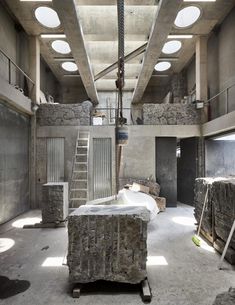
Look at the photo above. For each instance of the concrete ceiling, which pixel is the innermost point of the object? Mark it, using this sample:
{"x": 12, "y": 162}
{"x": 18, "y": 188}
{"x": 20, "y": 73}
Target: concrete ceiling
{"x": 91, "y": 30}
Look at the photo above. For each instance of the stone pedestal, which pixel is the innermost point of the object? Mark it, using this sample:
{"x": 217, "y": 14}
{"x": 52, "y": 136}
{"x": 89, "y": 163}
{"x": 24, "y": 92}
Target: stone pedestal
{"x": 107, "y": 243}
{"x": 54, "y": 202}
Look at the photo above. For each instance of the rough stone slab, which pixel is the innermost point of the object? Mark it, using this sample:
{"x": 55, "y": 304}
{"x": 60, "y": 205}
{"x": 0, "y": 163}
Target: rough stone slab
{"x": 107, "y": 243}
{"x": 170, "y": 114}
{"x": 223, "y": 199}
{"x": 64, "y": 114}
{"x": 200, "y": 188}
{"x": 154, "y": 187}
{"x": 55, "y": 202}
{"x": 161, "y": 203}
{"x": 226, "y": 298}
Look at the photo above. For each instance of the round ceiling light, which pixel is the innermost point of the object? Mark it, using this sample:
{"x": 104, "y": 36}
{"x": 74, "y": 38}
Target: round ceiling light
{"x": 69, "y": 66}
{"x": 172, "y": 46}
{"x": 47, "y": 17}
{"x": 187, "y": 16}
{"x": 162, "y": 66}
{"x": 61, "y": 46}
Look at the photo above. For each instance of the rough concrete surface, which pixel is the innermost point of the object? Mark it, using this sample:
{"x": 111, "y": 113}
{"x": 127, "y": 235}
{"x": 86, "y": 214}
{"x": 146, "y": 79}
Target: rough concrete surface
{"x": 107, "y": 243}
{"x": 170, "y": 114}
{"x": 189, "y": 275}
{"x": 226, "y": 298}
{"x": 54, "y": 202}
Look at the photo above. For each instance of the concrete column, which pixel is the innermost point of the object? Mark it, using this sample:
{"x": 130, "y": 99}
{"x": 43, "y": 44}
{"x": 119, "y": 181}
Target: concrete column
{"x": 34, "y": 73}
{"x": 201, "y": 73}
{"x": 34, "y": 67}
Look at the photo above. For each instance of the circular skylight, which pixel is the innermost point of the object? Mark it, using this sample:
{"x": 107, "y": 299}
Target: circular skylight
{"x": 172, "y": 46}
{"x": 187, "y": 16}
{"x": 61, "y": 46}
{"x": 162, "y": 66}
{"x": 69, "y": 66}
{"x": 47, "y": 17}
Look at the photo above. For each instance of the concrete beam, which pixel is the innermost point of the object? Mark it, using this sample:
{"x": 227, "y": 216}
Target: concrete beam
{"x": 127, "y": 58}
{"x": 165, "y": 17}
{"x": 68, "y": 14}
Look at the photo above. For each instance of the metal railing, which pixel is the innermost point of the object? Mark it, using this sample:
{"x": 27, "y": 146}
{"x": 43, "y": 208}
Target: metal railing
{"x": 107, "y": 116}
{"x": 15, "y": 75}
{"x": 220, "y": 104}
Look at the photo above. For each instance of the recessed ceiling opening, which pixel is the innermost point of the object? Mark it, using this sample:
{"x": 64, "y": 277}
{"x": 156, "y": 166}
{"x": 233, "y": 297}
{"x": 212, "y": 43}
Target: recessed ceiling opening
{"x": 61, "y": 47}
{"x": 162, "y": 66}
{"x": 47, "y": 17}
{"x": 69, "y": 66}
{"x": 187, "y": 16}
{"x": 172, "y": 47}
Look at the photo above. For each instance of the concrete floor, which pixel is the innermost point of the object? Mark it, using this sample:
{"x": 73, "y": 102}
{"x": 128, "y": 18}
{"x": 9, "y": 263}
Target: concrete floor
{"x": 178, "y": 271}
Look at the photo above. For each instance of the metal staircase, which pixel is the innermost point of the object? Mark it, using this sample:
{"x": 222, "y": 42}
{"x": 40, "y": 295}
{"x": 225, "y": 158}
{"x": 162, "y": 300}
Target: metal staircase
{"x": 79, "y": 180}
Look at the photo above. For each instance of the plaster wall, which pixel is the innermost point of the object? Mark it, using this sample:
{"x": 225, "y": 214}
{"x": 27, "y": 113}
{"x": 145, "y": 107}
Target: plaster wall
{"x": 14, "y": 163}
{"x": 220, "y": 158}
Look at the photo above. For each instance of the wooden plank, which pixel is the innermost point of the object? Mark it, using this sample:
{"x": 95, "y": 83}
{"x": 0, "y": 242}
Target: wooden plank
{"x": 146, "y": 291}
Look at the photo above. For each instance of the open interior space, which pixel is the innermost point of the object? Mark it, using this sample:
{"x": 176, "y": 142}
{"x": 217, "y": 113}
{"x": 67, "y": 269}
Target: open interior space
{"x": 117, "y": 152}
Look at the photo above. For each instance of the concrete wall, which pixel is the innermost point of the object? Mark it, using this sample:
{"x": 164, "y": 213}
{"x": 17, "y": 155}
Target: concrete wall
{"x": 187, "y": 170}
{"x": 166, "y": 169}
{"x": 14, "y": 163}
{"x": 48, "y": 82}
{"x": 73, "y": 94}
{"x": 220, "y": 158}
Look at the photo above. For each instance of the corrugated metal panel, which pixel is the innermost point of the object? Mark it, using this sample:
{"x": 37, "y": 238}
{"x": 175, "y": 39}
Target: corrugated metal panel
{"x": 55, "y": 159}
{"x": 102, "y": 164}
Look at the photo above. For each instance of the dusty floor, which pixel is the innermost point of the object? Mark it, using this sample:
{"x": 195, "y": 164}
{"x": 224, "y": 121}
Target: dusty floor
{"x": 178, "y": 271}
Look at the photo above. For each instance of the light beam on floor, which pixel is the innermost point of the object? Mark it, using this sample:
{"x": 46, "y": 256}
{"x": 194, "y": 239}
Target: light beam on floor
{"x": 26, "y": 221}
{"x": 156, "y": 261}
{"x": 6, "y": 244}
{"x": 56, "y": 261}
{"x": 184, "y": 221}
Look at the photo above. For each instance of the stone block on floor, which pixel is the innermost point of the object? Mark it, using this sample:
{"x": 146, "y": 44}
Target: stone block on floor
{"x": 107, "y": 243}
{"x": 54, "y": 202}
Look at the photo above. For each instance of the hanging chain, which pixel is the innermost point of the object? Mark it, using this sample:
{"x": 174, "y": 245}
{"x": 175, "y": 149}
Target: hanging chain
{"x": 121, "y": 54}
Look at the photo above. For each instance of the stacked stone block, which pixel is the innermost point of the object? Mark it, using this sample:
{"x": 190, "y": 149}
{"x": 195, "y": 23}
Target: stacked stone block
{"x": 64, "y": 114}
{"x": 107, "y": 243}
{"x": 54, "y": 202}
{"x": 170, "y": 114}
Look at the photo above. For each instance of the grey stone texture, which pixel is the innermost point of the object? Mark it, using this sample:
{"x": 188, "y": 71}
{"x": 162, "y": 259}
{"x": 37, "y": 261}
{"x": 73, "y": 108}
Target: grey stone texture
{"x": 64, "y": 114}
{"x": 226, "y": 298}
{"x": 200, "y": 188}
{"x": 107, "y": 243}
{"x": 221, "y": 198}
{"x": 154, "y": 187}
{"x": 170, "y": 114}
{"x": 54, "y": 202}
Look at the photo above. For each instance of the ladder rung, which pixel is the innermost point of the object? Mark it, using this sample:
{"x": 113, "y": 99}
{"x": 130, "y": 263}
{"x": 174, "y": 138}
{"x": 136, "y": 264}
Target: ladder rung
{"x": 77, "y": 190}
{"x": 79, "y": 180}
{"x": 80, "y": 162}
{"x": 80, "y": 171}
{"x": 82, "y": 146}
{"x": 81, "y": 155}
{"x": 78, "y": 198}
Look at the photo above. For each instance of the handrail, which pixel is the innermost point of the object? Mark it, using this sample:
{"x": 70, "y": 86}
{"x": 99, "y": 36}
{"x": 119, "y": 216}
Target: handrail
{"x": 12, "y": 62}
{"x": 218, "y": 94}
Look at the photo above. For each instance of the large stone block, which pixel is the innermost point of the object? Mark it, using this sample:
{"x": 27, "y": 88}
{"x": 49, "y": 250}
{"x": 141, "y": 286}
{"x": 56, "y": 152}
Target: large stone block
{"x": 170, "y": 114}
{"x": 64, "y": 114}
{"x": 107, "y": 243}
{"x": 54, "y": 202}
{"x": 223, "y": 199}
{"x": 154, "y": 187}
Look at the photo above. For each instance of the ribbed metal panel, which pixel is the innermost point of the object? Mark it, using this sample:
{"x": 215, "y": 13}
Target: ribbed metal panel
{"x": 102, "y": 162}
{"x": 55, "y": 159}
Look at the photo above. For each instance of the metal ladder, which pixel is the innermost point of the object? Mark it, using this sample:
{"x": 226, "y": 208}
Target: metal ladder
{"x": 79, "y": 181}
